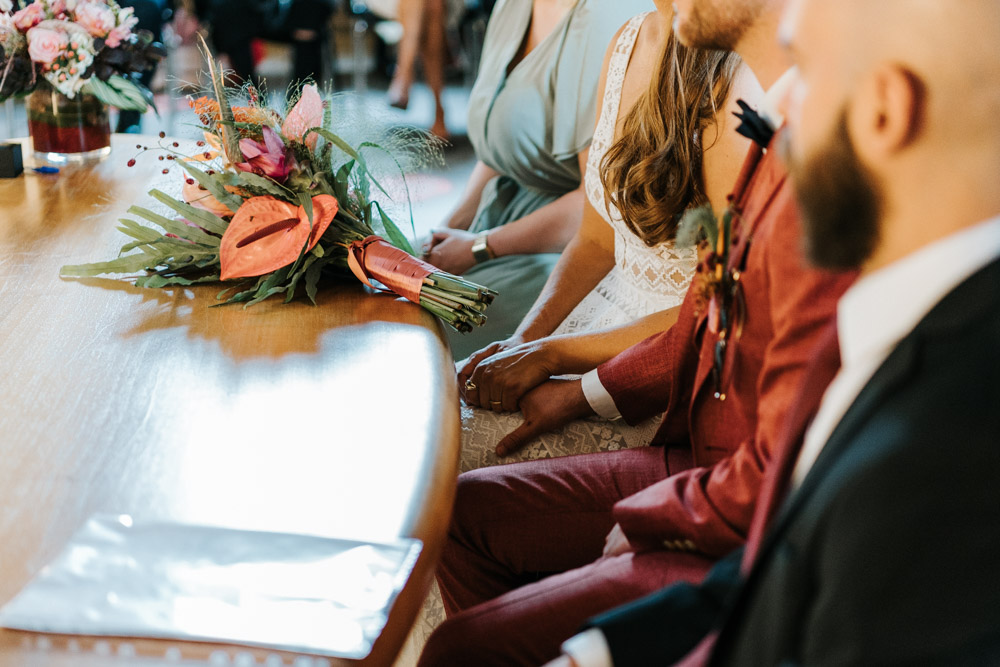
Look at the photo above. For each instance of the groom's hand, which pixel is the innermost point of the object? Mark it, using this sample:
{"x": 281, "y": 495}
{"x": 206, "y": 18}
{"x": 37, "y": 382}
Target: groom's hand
{"x": 547, "y": 407}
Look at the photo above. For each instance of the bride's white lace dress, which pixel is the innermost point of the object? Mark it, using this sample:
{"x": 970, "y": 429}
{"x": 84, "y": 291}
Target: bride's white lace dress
{"x": 644, "y": 280}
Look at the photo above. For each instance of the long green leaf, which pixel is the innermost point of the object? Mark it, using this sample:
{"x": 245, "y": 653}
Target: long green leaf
{"x": 155, "y": 280}
{"x": 120, "y": 92}
{"x": 127, "y": 264}
{"x": 176, "y": 227}
{"x": 406, "y": 186}
{"x": 267, "y": 185}
{"x": 346, "y": 147}
{"x": 201, "y": 217}
{"x": 396, "y": 237}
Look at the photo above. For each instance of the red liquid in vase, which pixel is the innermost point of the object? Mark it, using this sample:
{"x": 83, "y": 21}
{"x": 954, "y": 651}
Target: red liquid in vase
{"x": 80, "y": 139}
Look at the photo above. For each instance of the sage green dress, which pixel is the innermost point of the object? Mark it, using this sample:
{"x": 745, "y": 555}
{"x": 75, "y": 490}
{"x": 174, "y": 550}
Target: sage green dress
{"x": 529, "y": 126}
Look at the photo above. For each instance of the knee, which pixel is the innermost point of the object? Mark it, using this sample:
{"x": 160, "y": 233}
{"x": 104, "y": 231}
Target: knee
{"x": 455, "y": 643}
{"x": 477, "y": 493}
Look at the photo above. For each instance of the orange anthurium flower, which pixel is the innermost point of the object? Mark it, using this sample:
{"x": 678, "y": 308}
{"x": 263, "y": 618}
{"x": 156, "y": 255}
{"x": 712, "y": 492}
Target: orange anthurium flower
{"x": 267, "y": 234}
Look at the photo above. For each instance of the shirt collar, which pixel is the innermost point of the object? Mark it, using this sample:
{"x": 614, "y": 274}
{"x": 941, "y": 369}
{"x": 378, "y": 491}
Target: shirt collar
{"x": 770, "y": 105}
{"x": 883, "y": 307}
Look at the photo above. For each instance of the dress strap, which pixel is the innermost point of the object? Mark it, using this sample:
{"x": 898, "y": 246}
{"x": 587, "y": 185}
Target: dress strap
{"x": 617, "y": 66}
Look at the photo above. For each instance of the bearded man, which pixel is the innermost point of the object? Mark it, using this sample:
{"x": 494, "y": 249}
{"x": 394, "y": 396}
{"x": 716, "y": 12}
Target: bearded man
{"x": 877, "y": 536}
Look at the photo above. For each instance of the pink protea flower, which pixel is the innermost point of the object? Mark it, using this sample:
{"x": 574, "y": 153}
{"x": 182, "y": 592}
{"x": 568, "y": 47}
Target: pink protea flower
{"x": 29, "y": 17}
{"x": 306, "y": 114}
{"x": 270, "y": 159}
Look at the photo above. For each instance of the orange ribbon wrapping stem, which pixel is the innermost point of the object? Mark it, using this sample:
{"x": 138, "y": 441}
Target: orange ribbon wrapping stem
{"x": 400, "y": 271}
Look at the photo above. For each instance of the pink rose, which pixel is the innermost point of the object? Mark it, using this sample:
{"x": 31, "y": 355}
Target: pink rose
{"x": 96, "y": 19}
{"x": 117, "y": 36}
{"x": 46, "y": 45}
{"x": 57, "y": 7}
{"x": 29, "y": 17}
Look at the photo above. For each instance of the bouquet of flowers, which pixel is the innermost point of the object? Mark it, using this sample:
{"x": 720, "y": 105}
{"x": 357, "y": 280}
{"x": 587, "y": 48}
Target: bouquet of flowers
{"x": 75, "y": 46}
{"x": 272, "y": 203}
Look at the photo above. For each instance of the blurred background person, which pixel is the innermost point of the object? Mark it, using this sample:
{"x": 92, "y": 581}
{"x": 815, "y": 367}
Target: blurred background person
{"x": 531, "y": 120}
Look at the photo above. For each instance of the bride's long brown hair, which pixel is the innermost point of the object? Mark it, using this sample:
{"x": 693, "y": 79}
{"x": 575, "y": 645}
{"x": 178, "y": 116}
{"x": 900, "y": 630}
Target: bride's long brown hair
{"x": 652, "y": 174}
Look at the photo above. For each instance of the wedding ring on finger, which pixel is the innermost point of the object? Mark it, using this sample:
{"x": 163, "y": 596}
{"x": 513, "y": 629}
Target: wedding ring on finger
{"x": 470, "y": 385}
{"x": 496, "y": 404}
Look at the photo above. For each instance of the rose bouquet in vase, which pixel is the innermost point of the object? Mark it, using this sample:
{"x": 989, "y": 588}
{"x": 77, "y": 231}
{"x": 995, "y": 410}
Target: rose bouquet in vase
{"x": 272, "y": 202}
{"x": 73, "y": 58}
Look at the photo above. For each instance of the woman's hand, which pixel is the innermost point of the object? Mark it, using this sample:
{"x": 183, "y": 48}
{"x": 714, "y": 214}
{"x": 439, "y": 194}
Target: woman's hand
{"x": 468, "y": 365}
{"x": 451, "y": 250}
{"x": 498, "y": 382}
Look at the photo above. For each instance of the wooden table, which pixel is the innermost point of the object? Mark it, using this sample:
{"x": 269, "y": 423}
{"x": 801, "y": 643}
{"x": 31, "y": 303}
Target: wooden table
{"x": 336, "y": 420}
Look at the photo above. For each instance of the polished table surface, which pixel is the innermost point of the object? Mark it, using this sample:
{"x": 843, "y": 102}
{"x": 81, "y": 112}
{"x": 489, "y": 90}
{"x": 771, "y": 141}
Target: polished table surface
{"x": 336, "y": 420}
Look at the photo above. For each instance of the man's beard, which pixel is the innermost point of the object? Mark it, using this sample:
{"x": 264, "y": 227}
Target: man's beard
{"x": 840, "y": 201}
{"x": 709, "y": 27}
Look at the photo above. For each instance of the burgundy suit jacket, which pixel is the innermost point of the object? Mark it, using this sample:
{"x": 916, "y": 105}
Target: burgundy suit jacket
{"x": 708, "y": 507}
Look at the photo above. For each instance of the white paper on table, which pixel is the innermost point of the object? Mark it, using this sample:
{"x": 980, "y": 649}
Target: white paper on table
{"x": 176, "y": 581}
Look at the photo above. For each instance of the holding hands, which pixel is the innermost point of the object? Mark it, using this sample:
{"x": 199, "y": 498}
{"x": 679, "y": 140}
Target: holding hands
{"x": 451, "y": 250}
{"x": 496, "y": 377}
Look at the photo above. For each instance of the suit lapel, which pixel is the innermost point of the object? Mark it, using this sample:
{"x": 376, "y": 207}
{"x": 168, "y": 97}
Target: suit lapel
{"x": 978, "y": 297}
{"x": 974, "y": 298}
{"x": 893, "y": 372}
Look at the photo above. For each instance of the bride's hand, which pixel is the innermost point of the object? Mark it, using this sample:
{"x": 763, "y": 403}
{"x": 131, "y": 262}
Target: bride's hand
{"x": 498, "y": 381}
{"x": 468, "y": 365}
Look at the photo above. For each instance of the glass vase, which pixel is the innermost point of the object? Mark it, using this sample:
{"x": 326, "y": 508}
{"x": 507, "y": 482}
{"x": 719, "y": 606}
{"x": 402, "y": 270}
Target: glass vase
{"x": 65, "y": 130}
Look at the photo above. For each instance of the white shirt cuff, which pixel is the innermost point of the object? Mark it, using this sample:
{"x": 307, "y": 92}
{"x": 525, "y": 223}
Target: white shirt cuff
{"x": 598, "y": 397}
{"x": 589, "y": 649}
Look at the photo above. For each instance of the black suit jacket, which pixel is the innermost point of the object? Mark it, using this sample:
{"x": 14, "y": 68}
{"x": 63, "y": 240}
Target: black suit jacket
{"x": 889, "y": 552}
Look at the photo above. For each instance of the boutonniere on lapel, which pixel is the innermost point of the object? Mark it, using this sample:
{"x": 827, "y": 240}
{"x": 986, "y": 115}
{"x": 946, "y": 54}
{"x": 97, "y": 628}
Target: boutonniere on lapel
{"x": 718, "y": 280}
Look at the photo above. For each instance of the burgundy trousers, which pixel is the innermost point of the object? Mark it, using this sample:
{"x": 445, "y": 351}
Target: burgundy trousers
{"x": 523, "y": 568}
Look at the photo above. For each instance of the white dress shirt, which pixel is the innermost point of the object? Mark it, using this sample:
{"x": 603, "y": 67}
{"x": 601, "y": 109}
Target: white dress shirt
{"x": 590, "y": 648}
{"x": 878, "y": 311}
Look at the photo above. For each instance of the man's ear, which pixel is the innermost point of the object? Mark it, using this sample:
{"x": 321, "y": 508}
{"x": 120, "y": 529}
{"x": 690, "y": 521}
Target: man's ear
{"x": 886, "y": 114}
